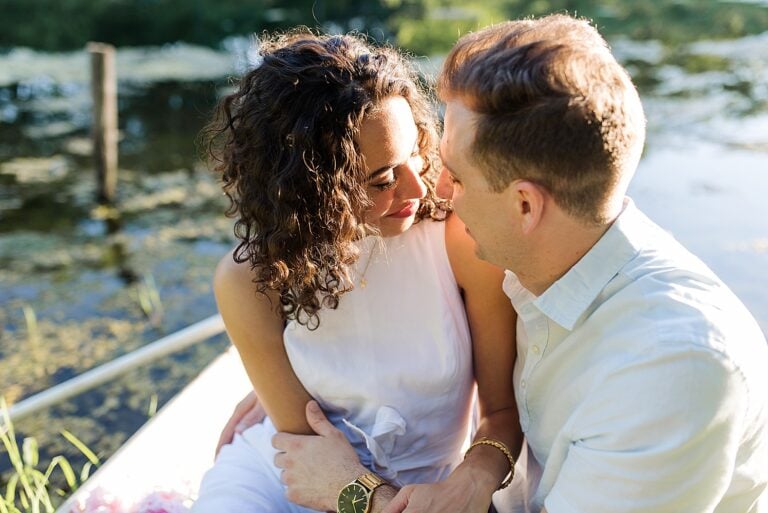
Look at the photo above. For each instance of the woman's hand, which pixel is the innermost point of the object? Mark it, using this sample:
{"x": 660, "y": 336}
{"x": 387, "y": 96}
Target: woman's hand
{"x": 316, "y": 467}
{"x": 248, "y": 412}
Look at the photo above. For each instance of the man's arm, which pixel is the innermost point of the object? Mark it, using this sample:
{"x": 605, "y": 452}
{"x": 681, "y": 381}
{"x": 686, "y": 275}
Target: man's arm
{"x": 316, "y": 468}
{"x": 660, "y": 434}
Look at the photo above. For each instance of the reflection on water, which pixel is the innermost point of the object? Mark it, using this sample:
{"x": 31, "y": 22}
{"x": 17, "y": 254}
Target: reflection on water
{"x": 80, "y": 269}
{"x": 712, "y": 198}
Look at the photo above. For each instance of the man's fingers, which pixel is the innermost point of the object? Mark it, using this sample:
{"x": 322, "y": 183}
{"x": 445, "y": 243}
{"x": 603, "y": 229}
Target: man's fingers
{"x": 318, "y": 421}
{"x": 254, "y": 416}
{"x": 226, "y": 437}
{"x": 242, "y": 417}
{"x": 399, "y": 503}
{"x": 247, "y": 402}
{"x": 281, "y": 460}
{"x": 282, "y": 441}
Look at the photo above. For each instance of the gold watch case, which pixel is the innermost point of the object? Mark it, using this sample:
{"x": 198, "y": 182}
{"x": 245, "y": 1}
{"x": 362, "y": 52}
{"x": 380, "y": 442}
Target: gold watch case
{"x": 356, "y": 496}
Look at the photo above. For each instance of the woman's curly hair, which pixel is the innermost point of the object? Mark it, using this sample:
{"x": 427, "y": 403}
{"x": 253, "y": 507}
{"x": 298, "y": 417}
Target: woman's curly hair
{"x": 285, "y": 144}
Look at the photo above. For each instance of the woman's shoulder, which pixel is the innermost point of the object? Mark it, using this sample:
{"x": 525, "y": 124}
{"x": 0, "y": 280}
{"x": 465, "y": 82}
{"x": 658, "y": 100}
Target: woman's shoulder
{"x": 229, "y": 270}
{"x": 236, "y": 279}
{"x": 240, "y": 300}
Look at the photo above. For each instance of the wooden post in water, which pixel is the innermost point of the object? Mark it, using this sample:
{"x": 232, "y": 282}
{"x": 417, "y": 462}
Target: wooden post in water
{"x": 104, "y": 91}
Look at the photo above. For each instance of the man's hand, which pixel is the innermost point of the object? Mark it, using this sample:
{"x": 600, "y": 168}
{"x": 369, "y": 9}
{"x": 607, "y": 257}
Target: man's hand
{"x": 459, "y": 493}
{"x": 247, "y": 413}
{"x": 316, "y": 468}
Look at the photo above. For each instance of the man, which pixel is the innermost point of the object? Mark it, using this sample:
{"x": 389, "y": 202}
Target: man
{"x": 640, "y": 378}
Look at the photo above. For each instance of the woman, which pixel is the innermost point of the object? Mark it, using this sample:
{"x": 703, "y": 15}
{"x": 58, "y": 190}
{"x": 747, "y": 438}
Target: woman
{"x": 352, "y": 284}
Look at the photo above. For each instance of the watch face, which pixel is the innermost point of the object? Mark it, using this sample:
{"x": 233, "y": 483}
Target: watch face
{"x": 353, "y": 499}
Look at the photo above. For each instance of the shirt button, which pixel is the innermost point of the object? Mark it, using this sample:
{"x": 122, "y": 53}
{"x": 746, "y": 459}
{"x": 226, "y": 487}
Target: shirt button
{"x": 522, "y": 384}
{"x": 535, "y": 350}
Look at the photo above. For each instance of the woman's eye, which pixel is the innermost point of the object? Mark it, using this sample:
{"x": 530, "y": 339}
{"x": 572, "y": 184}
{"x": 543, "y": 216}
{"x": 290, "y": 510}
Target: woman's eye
{"x": 385, "y": 186}
{"x": 385, "y": 182}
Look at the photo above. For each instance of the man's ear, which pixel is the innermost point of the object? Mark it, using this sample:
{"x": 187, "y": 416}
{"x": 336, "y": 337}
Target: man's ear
{"x": 529, "y": 202}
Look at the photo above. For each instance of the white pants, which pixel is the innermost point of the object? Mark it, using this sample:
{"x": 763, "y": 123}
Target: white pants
{"x": 244, "y": 478}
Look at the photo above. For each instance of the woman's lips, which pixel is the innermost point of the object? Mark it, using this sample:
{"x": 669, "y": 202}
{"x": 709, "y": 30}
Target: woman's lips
{"x": 407, "y": 211}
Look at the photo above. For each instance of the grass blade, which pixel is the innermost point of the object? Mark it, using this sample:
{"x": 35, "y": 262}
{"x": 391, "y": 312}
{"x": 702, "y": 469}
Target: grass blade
{"x": 10, "y": 489}
{"x": 41, "y": 492}
{"x": 8, "y": 435}
{"x": 152, "y": 406}
{"x": 23, "y": 498}
{"x": 66, "y": 469}
{"x": 85, "y": 472}
{"x": 81, "y": 447}
{"x": 30, "y": 452}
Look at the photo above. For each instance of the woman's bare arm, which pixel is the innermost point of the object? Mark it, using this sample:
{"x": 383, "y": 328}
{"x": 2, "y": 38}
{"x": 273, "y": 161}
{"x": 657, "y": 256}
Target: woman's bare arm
{"x": 492, "y": 325}
{"x": 256, "y": 330}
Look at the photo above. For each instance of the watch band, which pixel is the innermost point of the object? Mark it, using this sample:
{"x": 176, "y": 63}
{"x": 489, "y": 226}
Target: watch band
{"x": 371, "y": 481}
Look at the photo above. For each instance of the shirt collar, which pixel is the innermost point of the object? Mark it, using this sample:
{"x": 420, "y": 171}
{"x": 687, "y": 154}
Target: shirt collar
{"x": 566, "y": 300}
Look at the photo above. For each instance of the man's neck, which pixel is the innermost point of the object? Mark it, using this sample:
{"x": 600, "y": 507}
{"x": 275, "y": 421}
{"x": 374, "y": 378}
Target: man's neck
{"x": 561, "y": 248}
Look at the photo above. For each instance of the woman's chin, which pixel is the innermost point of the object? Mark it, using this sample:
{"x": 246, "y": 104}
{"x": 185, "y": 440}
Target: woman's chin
{"x": 393, "y": 226}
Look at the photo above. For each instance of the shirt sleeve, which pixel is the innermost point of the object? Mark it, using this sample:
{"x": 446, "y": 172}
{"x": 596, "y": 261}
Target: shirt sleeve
{"x": 660, "y": 435}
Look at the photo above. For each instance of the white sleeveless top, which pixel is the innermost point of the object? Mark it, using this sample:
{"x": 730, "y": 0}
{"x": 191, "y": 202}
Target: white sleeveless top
{"x": 392, "y": 365}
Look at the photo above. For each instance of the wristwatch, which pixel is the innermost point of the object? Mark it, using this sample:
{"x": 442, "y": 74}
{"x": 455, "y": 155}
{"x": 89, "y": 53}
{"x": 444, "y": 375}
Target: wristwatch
{"x": 356, "y": 496}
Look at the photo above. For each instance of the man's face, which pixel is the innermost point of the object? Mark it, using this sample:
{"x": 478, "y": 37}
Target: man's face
{"x": 486, "y": 214}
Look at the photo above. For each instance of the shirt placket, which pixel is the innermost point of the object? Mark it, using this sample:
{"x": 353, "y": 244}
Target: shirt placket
{"x": 537, "y": 331}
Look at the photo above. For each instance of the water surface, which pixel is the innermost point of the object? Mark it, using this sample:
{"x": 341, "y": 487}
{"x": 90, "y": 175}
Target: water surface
{"x": 85, "y": 274}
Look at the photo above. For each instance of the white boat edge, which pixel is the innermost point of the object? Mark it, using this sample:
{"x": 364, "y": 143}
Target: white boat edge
{"x": 172, "y": 451}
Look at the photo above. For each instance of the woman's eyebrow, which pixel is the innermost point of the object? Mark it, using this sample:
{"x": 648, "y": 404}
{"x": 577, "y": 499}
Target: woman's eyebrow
{"x": 382, "y": 169}
{"x": 387, "y": 167}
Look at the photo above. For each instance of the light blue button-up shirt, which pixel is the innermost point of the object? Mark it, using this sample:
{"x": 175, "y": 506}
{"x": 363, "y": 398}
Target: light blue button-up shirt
{"x": 641, "y": 382}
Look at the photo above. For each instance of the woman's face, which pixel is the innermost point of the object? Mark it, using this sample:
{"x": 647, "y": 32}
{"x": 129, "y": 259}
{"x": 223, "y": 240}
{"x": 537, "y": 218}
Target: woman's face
{"x": 389, "y": 144}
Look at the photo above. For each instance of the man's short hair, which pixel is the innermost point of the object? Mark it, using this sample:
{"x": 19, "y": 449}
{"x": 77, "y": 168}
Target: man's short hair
{"x": 554, "y": 106}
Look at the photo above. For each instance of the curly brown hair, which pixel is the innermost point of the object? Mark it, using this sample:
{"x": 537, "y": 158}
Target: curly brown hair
{"x": 285, "y": 145}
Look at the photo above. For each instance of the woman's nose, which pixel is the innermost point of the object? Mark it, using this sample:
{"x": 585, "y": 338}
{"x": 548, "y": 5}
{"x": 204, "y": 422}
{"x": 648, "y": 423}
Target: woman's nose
{"x": 411, "y": 185}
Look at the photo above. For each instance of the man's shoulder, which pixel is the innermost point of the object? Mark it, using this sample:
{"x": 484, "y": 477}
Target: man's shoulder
{"x": 665, "y": 303}
{"x": 666, "y": 306}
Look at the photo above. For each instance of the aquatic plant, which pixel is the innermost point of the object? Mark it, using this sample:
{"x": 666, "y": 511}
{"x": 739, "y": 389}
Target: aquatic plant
{"x": 30, "y": 489}
{"x": 148, "y": 296}
{"x": 33, "y": 338}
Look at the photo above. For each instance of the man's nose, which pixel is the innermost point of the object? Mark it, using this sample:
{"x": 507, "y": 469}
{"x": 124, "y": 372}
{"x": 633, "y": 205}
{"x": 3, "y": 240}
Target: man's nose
{"x": 444, "y": 186}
